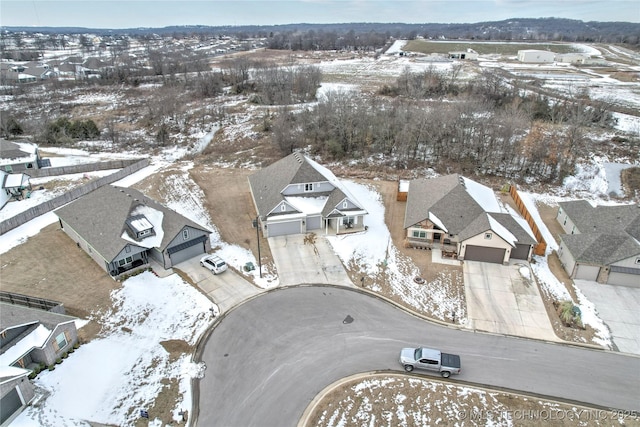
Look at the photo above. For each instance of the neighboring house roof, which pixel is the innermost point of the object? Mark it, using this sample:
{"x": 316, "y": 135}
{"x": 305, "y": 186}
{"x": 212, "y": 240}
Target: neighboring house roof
{"x": 14, "y": 180}
{"x": 604, "y": 234}
{"x": 17, "y": 152}
{"x": 8, "y": 373}
{"x": 268, "y": 184}
{"x": 40, "y": 327}
{"x": 101, "y": 217}
{"x": 463, "y": 207}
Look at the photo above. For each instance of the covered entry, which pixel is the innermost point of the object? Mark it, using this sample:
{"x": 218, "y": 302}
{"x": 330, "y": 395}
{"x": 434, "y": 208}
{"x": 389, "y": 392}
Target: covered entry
{"x": 484, "y": 254}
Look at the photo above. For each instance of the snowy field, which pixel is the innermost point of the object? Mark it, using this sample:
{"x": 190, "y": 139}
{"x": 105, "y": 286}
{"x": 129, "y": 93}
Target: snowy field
{"x": 109, "y": 379}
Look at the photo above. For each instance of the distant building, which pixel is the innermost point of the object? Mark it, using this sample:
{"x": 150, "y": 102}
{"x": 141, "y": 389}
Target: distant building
{"x": 468, "y": 54}
{"x": 536, "y": 56}
{"x": 571, "y": 58}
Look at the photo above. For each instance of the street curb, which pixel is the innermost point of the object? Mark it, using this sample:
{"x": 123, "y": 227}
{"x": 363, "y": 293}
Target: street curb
{"x": 202, "y": 340}
{"x": 311, "y": 407}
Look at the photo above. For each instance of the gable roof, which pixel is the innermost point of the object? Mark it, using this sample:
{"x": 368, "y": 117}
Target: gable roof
{"x": 39, "y": 326}
{"x": 268, "y": 183}
{"x": 605, "y": 234}
{"x": 462, "y": 207}
{"x": 100, "y": 218}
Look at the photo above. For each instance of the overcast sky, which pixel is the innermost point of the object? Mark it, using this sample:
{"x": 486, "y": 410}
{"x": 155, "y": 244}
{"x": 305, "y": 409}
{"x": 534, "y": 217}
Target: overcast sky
{"x": 162, "y": 13}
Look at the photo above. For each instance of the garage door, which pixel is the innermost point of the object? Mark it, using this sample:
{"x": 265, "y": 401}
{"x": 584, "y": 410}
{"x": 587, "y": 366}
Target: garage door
{"x": 625, "y": 276}
{"x": 587, "y": 272}
{"x": 283, "y": 228}
{"x": 480, "y": 253}
{"x": 520, "y": 252}
{"x": 9, "y": 404}
{"x": 187, "y": 250}
{"x": 314, "y": 222}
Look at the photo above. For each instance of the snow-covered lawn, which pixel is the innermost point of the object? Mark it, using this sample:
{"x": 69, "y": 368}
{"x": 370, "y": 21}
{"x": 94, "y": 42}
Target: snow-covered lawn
{"x": 374, "y": 255}
{"x": 111, "y": 378}
{"x": 395, "y": 400}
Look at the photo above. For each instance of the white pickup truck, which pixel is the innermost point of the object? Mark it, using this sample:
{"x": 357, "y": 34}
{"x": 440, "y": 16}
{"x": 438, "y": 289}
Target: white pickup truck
{"x": 431, "y": 360}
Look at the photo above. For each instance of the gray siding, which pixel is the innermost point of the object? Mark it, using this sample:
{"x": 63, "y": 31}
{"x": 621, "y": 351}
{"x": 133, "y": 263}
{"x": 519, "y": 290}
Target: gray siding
{"x": 99, "y": 259}
{"x": 299, "y": 189}
{"x": 48, "y": 354}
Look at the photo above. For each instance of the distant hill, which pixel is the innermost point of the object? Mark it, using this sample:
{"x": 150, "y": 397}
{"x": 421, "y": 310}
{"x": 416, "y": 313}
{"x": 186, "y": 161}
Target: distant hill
{"x": 509, "y": 29}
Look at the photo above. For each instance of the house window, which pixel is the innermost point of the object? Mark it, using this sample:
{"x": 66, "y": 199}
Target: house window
{"x": 565, "y": 221}
{"x": 61, "y": 340}
{"x": 8, "y": 168}
{"x": 283, "y": 207}
{"x": 185, "y": 234}
{"x": 308, "y": 187}
{"x": 345, "y": 205}
{"x": 573, "y": 230}
{"x": 419, "y": 234}
{"x": 559, "y": 211}
{"x": 127, "y": 249}
{"x": 487, "y": 236}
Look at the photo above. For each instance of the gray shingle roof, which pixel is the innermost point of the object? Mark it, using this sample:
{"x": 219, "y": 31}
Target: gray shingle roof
{"x": 268, "y": 183}
{"x": 100, "y": 218}
{"x": 15, "y": 315}
{"x": 606, "y": 234}
{"x": 600, "y": 219}
{"x": 447, "y": 198}
{"x": 600, "y": 248}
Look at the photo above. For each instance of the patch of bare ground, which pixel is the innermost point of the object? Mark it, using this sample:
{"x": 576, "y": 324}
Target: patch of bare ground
{"x": 631, "y": 182}
{"x": 403, "y": 400}
{"x": 50, "y": 265}
{"x": 164, "y": 404}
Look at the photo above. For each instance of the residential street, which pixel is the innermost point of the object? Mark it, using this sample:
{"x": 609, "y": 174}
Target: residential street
{"x": 282, "y": 348}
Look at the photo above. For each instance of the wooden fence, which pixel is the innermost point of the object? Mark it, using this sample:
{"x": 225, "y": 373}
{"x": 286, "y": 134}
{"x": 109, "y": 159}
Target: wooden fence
{"x": 541, "y": 247}
{"x": 32, "y": 302}
{"x": 69, "y": 196}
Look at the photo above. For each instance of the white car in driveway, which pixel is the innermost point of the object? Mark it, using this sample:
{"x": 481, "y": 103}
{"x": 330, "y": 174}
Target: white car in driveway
{"x": 213, "y": 263}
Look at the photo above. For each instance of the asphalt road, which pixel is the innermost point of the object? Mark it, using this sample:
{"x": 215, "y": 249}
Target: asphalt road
{"x": 268, "y": 358}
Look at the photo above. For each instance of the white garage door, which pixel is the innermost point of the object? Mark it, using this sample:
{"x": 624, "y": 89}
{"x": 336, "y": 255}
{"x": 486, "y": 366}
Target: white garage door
{"x": 625, "y": 276}
{"x": 314, "y": 222}
{"x": 587, "y": 272}
{"x": 283, "y": 228}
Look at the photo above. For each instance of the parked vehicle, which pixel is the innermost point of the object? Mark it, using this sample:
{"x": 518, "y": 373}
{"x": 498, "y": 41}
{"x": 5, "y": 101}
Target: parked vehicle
{"x": 431, "y": 360}
{"x": 213, "y": 263}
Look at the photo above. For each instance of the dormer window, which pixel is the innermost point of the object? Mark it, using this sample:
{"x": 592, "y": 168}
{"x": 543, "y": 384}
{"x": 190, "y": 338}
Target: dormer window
{"x": 308, "y": 187}
{"x": 140, "y": 227}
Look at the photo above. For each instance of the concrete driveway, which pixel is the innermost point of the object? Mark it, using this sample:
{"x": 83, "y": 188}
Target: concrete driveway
{"x": 617, "y": 306}
{"x": 226, "y": 290}
{"x": 299, "y": 263}
{"x": 501, "y": 300}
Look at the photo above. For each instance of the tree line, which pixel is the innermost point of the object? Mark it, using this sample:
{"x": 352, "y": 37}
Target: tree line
{"x": 481, "y": 127}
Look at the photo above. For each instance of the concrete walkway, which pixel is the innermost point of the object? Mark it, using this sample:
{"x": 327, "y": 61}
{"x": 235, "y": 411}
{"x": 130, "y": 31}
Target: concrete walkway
{"x": 617, "y": 306}
{"x": 299, "y": 263}
{"x": 501, "y": 300}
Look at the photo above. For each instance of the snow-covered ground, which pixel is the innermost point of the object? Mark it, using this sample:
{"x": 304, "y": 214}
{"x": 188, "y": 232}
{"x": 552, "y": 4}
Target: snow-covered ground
{"x": 110, "y": 378}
